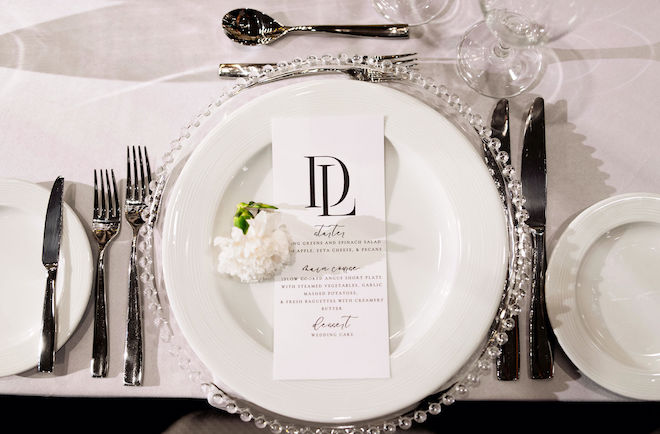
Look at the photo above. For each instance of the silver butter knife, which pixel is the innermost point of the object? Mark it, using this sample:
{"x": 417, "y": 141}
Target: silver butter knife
{"x": 533, "y": 174}
{"x": 508, "y": 363}
{"x": 50, "y": 258}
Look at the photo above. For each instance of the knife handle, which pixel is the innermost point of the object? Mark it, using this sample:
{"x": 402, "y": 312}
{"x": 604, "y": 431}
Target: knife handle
{"x": 133, "y": 353}
{"x": 99, "y": 364}
{"x": 508, "y": 363}
{"x": 372, "y": 30}
{"x": 47, "y": 346}
{"x": 540, "y": 346}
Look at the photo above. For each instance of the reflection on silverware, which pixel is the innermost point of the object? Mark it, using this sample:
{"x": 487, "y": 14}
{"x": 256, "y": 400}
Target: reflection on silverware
{"x": 246, "y": 69}
{"x": 137, "y": 190}
{"x": 50, "y": 258}
{"x": 252, "y": 27}
{"x": 106, "y": 224}
{"x": 534, "y": 190}
{"x": 508, "y": 363}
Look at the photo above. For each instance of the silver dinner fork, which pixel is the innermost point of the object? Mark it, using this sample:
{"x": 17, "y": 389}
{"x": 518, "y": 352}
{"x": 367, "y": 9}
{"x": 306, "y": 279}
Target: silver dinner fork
{"x": 245, "y": 69}
{"x": 106, "y": 224}
{"x": 136, "y": 191}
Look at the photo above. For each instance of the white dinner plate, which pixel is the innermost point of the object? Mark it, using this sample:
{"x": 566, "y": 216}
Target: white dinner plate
{"x": 23, "y": 276}
{"x": 603, "y": 294}
{"x": 446, "y": 252}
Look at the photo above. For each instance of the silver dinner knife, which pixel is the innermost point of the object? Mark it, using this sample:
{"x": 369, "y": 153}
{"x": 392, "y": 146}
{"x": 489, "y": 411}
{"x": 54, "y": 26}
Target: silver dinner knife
{"x": 533, "y": 174}
{"x": 508, "y": 363}
{"x": 50, "y": 258}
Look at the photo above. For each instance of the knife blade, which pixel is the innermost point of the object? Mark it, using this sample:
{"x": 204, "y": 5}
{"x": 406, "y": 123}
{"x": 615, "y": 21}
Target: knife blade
{"x": 508, "y": 363}
{"x": 50, "y": 258}
{"x": 533, "y": 176}
{"x": 499, "y": 124}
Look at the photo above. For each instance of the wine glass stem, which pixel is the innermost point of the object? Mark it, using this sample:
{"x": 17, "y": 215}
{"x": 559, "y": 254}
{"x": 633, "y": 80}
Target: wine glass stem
{"x": 501, "y": 50}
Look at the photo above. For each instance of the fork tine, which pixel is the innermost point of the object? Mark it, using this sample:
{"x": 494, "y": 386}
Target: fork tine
{"x": 114, "y": 188}
{"x": 104, "y": 210}
{"x": 135, "y": 192}
{"x": 143, "y": 187}
{"x": 146, "y": 158}
{"x": 96, "y": 197}
{"x": 128, "y": 173}
{"x": 111, "y": 203}
{"x": 395, "y": 56}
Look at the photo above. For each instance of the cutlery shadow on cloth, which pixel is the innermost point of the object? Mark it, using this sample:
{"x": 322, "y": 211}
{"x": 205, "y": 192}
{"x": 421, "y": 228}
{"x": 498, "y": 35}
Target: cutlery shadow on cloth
{"x": 116, "y": 285}
{"x": 150, "y": 333}
{"x": 79, "y": 197}
{"x": 605, "y": 341}
{"x": 561, "y": 359}
{"x": 571, "y": 167}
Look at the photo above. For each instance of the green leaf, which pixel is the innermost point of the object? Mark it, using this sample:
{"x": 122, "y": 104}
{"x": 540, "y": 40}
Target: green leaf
{"x": 243, "y": 213}
{"x": 262, "y": 206}
{"x": 241, "y": 223}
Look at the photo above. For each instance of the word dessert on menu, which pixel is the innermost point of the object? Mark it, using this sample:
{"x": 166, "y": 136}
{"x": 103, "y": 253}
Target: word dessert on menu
{"x": 330, "y": 303}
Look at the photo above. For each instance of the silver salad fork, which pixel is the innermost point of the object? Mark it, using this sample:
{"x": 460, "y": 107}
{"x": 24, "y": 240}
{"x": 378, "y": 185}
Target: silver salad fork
{"x": 106, "y": 224}
{"x": 136, "y": 192}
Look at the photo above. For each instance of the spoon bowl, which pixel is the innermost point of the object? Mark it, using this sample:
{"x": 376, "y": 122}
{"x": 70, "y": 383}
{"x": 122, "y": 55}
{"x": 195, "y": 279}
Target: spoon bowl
{"x": 252, "y": 27}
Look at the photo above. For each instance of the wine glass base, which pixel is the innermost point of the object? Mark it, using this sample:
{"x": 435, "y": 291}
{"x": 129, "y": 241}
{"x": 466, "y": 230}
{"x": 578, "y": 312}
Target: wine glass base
{"x": 494, "y": 70}
{"x": 412, "y": 12}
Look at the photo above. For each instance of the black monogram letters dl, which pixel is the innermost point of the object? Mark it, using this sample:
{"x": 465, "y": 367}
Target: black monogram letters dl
{"x": 325, "y": 204}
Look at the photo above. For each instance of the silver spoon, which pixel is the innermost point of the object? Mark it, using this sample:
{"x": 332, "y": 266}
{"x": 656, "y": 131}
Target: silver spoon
{"x": 251, "y": 27}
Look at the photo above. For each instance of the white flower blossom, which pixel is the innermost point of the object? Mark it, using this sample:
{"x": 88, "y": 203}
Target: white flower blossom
{"x": 258, "y": 254}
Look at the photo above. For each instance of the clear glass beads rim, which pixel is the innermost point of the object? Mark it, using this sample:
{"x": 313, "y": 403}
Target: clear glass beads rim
{"x": 504, "y": 177}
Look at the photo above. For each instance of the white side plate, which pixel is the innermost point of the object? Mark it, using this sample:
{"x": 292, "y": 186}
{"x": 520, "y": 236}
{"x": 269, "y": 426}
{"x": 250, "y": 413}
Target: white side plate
{"x": 603, "y": 294}
{"x": 23, "y": 277}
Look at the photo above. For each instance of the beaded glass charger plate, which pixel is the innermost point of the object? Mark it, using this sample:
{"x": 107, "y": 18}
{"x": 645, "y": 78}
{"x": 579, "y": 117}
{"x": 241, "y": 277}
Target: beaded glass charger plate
{"x": 446, "y": 268}
{"x": 603, "y": 294}
{"x": 456, "y": 276}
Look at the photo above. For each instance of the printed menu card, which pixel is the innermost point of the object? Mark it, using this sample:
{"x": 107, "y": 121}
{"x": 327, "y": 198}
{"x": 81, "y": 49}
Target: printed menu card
{"x": 330, "y": 303}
